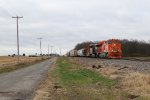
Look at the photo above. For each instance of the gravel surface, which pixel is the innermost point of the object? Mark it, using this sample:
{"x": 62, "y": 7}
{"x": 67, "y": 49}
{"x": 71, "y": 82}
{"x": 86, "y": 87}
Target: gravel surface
{"x": 127, "y": 65}
{"x": 20, "y": 84}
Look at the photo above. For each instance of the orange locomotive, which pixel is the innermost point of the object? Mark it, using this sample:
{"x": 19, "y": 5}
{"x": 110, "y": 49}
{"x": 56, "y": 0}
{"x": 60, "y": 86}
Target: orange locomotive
{"x": 109, "y": 49}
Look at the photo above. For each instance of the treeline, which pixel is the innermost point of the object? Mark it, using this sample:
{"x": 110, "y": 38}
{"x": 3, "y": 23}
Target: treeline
{"x": 130, "y": 48}
{"x": 82, "y": 45}
{"x": 135, "y": 48}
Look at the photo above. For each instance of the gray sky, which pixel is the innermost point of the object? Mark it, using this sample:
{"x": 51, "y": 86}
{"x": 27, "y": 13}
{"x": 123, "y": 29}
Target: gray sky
{"x": 64, "y": 23}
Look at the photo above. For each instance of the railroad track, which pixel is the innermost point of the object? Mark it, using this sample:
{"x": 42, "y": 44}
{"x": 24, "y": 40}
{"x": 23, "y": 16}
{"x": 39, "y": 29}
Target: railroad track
{"x": 143, "y": 59}
{"x": 137, "y": 59}
{"x": 137, "y": 65}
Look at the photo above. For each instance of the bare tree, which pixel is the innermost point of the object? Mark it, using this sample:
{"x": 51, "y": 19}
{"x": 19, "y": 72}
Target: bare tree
{"x": 135, "y": 48}
{"x": 82, "y": 45}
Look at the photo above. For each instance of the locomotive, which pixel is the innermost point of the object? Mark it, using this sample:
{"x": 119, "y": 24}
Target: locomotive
{"x": 103, "y": 49}
{"x": 109, "y": 49}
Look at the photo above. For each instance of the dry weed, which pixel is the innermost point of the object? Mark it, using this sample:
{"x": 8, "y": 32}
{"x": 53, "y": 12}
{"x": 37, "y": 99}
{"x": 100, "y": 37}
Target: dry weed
{"x": 137, "y": 83}
{"x": 9, "y": 61}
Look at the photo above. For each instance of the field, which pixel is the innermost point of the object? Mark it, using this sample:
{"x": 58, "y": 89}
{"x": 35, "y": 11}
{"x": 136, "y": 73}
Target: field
{"x": 10, "y": 63}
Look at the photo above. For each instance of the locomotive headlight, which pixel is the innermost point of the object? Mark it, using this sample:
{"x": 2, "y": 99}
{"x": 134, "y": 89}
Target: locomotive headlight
{"x": 112, "y": 50}
{"x": 114, "y": 44}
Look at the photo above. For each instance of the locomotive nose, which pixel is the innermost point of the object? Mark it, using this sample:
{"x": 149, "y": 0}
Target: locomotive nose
{"x": 115, "y": 48}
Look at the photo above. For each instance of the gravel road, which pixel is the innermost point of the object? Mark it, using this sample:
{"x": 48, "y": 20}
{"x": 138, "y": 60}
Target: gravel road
{"x": 20, "y": 84}
{"x": 137, "y": 66}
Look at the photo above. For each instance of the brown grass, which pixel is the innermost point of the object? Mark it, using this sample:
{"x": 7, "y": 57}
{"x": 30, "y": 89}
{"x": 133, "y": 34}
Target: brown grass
{"x": 8, "y": 64}
{"x": 137, "y": 83}
{"x": 9, "y": 61}
{"x": 110, "y": 72}
{"x": 134, "y": 83}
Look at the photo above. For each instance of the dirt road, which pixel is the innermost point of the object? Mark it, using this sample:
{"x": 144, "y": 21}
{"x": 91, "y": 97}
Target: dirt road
{"x": 20, "y": 84}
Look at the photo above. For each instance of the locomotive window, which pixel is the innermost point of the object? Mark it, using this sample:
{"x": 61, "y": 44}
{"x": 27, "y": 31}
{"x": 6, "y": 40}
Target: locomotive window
{"x": 98, "y": 45}
{"x": 109, "y": 42}
{"x": 116, "y": 41}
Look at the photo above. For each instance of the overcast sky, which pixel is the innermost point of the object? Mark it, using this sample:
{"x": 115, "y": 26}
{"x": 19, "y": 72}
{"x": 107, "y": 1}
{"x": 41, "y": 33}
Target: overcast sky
{"x": 64, "y": 23}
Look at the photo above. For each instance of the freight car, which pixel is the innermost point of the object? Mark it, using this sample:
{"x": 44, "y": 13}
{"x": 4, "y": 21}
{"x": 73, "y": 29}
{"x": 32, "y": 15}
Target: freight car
{"x": 81, "y": 52}
{"x": 104, "y": 49}
{"x": 90, "y": 50}
{"x": 72, "y": 53}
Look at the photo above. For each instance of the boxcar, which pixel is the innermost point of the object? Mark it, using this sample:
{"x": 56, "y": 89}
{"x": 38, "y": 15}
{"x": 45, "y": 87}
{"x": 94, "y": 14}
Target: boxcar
{"x": 72, "y": 53}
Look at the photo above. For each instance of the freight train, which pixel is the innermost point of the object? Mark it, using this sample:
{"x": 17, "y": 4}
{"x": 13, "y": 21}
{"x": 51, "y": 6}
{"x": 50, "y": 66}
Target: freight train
{"x": 103, "y": 49}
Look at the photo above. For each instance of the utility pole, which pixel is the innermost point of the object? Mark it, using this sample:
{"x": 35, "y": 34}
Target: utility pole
{"x": 51, "y": 49}
{"x": 60, "y": 51}
{"x": 48, "y": 50}
{"x": 17, "y": 17}
{"x": 40, "y": 45}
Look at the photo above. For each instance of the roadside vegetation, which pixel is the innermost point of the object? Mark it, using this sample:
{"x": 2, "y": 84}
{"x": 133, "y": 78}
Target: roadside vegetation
{"x": 8, "y": 64}
{"x": 81, "y": 83}
{"x": 68, "y": 80}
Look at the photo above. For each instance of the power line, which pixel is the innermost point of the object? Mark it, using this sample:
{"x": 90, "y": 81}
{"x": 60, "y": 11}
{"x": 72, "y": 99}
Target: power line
{"x": 17, "y": 17}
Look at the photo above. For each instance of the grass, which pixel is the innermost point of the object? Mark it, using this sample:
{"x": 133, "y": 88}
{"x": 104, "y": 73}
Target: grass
{"x": 82, "y": 84}
{"x": 137, "y": 83}
{"x": 74, "y": 75}
{"x": 69, "y": 80}
{"x": 9, "y": 61}
{"x": 81, "y": 76}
